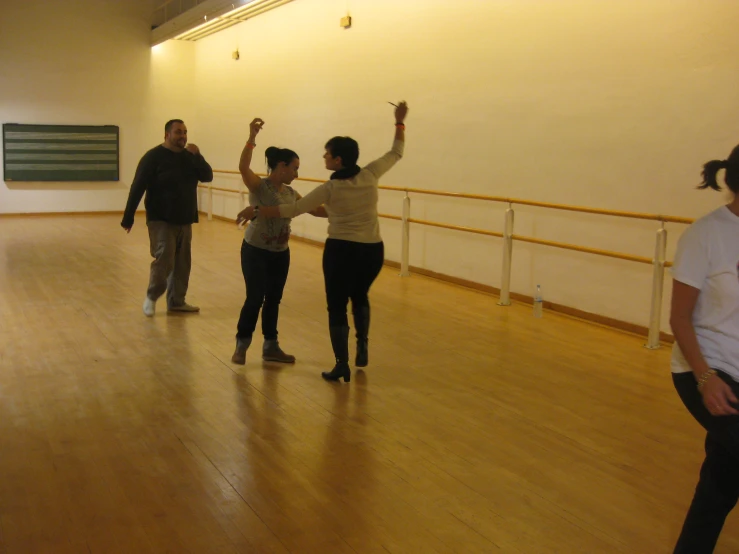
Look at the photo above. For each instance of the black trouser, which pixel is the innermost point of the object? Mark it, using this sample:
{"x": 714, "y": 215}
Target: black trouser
{"x": 718, "y": 487}
{"x": 265, "y": 274}
{"x": 349, "y": 269}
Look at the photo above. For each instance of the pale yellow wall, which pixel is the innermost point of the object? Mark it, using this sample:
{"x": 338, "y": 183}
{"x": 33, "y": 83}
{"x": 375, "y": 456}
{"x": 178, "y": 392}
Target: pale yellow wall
{"x": 612, "y": 104}
{"x": 171, "y": 91}
{"x": 89, "y": 62}
{"x": 84, "y": 62}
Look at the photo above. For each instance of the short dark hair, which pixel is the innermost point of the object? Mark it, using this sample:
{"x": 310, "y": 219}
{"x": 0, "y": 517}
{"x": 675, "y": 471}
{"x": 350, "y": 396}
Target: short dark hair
{"x": 345, "y": 148}
{"x": 731, "y": 178}
{"x": 276, "y": 155}
{"x": 168, "y": 125}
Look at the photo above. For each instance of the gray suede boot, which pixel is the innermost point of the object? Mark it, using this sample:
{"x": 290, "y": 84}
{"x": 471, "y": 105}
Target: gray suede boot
{"x": 271, "y": 352}
{"x": 239, "y": 355}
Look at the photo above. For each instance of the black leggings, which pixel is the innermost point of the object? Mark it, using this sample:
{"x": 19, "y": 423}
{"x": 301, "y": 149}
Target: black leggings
{"x": 718, "y": 487}
{"x": 349, "y": 269}
{"x": 265, "y": 274}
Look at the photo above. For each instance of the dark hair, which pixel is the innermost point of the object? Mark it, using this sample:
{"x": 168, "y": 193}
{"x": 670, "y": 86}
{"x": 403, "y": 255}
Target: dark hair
{"x": 731, "y": 178}
{"x": 168, "y": 125}
{"x": 276, "y": 155}
{"x": 346, "y": 148}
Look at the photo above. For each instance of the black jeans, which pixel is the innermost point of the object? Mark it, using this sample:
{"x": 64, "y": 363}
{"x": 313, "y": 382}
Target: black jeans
{"x": 718, "y": 487}
{"x": 349, "y": 269}
{"x": 265, "y": 274}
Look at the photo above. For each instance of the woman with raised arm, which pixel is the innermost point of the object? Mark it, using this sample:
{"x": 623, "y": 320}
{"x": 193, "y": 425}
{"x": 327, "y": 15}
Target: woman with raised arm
{"x": 705, "y": 358}
{"x": 265, "y": 255}
{"x": 354, "y": 251}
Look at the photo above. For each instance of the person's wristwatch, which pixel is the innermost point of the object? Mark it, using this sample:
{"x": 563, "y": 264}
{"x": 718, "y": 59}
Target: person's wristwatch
{"x": 256, "y": 213}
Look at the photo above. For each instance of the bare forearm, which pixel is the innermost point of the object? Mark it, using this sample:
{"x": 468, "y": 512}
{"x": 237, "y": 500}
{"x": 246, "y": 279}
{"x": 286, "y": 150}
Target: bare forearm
{"x": 246, "y": 153}
{"x": 687, "y": 340}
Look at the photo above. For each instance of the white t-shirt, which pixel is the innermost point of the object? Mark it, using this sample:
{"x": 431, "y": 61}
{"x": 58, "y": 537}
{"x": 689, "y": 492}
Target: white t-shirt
{"x": 707, "y": 258}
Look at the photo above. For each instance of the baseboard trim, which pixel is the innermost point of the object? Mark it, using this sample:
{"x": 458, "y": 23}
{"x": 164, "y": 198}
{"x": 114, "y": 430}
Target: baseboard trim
{"x": 57, "y": 214}
{"x": 631, "y": 328}
{"x": 219, "y": 217}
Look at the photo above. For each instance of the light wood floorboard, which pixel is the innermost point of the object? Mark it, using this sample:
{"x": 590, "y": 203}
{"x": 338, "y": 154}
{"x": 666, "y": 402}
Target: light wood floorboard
{"x": 476, "y": 428}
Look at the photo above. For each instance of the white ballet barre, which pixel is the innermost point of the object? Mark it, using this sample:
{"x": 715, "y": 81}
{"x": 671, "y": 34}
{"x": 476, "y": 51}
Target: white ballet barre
{"x": 658, "y": 262}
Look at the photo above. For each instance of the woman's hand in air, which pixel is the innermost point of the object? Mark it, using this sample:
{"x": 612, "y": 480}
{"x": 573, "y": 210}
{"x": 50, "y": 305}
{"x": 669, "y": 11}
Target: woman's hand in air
{"x": 401, "y": 111}
{"x": 255, "y": 126}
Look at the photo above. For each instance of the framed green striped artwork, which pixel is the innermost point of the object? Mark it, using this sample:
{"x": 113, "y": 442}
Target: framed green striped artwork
{"x": 60, "y": 152}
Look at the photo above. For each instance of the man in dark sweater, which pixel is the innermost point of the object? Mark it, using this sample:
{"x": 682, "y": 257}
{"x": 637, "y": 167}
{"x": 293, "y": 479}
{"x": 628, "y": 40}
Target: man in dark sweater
{"x": 169, "y": 174}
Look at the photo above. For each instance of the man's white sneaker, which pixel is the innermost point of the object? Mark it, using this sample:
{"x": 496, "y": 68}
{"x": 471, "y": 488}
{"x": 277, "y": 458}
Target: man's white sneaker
{"x": 149, "y": 307}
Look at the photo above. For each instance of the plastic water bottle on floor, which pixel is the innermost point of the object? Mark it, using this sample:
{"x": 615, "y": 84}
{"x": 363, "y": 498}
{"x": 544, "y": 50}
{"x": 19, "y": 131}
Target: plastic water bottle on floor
{"x": 538, "y": 303}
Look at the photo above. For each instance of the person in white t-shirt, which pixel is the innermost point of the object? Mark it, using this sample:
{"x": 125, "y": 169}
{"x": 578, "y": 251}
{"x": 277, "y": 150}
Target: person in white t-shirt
{"x": 705, "y": 357}
{"x": 354, "y": 251}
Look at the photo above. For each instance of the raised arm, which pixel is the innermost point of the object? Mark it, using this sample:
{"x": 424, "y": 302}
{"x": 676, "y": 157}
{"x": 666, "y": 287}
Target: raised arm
{"x": 382, "y": 165}
{"x": 251, "y": 179}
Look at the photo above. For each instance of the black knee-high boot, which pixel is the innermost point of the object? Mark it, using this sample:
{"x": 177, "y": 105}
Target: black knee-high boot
{"x": 340, "y": 344}
{"x": 361, "y": 326}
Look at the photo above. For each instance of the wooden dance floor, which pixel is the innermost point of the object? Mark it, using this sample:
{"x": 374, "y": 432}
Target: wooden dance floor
{"x": 475, "y": 428}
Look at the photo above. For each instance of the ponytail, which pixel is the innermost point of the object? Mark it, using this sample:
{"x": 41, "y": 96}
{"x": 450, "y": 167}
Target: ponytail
{"x": 710, "y": 170}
